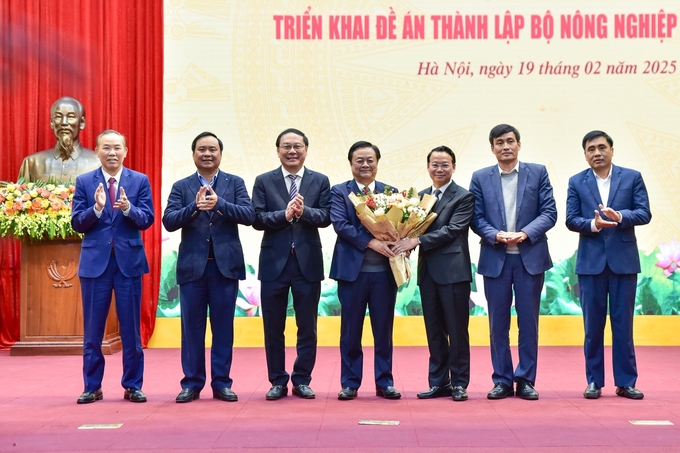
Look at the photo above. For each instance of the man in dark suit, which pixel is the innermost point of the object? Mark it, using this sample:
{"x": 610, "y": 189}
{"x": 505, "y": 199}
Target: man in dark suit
{"x": 514, "y": 208}
{"x": 291, "y": 204}
{"x": 607, "y": 262}
{"x": 444, "y": 276}
{"x": 112, "y": 259}
{"x": 361, "y": 267}
{"x": 208, "y": 206}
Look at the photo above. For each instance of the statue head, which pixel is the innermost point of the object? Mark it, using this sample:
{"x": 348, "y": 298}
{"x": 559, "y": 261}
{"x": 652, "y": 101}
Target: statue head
{"x": 67, "y": 119}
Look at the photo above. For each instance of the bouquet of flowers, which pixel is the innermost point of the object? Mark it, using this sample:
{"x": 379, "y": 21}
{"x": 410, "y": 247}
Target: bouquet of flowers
{"x": 393, "y": 215}
{"x": 36, "y": 210}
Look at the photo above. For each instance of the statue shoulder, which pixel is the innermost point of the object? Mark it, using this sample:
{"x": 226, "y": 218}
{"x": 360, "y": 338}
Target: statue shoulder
{"x": 41, "y": 154}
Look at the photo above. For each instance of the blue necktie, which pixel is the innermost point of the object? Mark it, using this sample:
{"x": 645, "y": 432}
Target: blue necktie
{"x": 293, "y": 186}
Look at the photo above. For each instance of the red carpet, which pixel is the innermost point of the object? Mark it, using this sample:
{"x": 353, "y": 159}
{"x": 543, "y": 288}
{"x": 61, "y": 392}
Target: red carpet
{"x": 38, "y": 412}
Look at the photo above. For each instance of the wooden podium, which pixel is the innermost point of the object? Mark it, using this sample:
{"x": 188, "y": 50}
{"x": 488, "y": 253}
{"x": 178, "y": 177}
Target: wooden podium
{"x": 51, "y": 308}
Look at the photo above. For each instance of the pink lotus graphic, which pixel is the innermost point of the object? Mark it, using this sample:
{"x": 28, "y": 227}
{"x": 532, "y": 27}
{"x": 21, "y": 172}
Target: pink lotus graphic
{"x": 669, "y": 258}
{"x": 250, "y": 288}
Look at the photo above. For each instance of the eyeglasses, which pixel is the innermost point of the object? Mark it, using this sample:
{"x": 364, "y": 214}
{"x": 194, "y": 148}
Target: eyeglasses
{"x": 288, "y": 146}
{"x": 436, "y": 167}
{"x": 208, "y": 149}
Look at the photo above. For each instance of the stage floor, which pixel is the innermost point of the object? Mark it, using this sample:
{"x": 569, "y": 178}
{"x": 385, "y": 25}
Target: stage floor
{"x": 38, "y": 410}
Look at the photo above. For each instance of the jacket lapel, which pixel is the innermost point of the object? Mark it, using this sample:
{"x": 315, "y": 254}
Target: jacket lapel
{"x": 522, "y": 178}
{"x": 352, "y": 187}
{"x": 280, "y": 184}
{"x": 592, "y": 185}
{"x": 194, "y": 184}
{"x": 306, "y": 181}
{"x": 98, "y": 178}
{"x": 446, "y": 197}
{"x": 495, "y": 182}
{"x": 614, "y": 184}
{"x": 124, "y": 180}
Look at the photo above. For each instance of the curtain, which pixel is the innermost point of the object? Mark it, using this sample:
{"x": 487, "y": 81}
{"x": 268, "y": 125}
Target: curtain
{"x": 108, "y": 54}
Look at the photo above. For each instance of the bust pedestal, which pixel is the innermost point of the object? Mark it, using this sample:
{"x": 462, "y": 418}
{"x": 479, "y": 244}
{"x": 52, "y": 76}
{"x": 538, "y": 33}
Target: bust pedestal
{"x": 51, "y": 308}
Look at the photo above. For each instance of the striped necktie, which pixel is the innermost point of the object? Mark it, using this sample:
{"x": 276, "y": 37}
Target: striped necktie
{"x": 293, "y": 186}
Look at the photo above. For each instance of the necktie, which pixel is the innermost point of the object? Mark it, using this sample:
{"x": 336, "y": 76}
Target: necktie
{"x": 293, "y": 192}
{"x": 367, "y": 191}
{"x": 436, "y": 193}
{"x": 293, "y": 186}
{"x": 112, "y": 191}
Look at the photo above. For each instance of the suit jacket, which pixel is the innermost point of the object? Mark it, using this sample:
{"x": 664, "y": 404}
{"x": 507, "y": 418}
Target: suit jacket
{"x": 353, "y": 238}
{"x": 616, "y": 246}
{"x": 444, "y": 250}
{"x": 200, "y": 227}
{"x": 270, "y": 199}
{"x": 536, "y": 214}
{"x": 113, "y": 226}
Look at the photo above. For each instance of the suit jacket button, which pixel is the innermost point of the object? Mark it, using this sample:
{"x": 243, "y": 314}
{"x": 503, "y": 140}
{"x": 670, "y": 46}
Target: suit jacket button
{"x": 210, "y": 224}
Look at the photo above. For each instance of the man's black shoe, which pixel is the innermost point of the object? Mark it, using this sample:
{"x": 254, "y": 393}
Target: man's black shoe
{"x": 592, "y": 392}
{"x": 187, "y": 396}
{"x": 525, "y": 390}
{"x": 388, "y": 392}
{"x": 304, "y": 391}
{"x": 630, "y": 392}
{"x": 459, "y": 394}
{"x": 436, "y": 392}
{"x": 90, "y": 397}
{"x": 225, "y": 394}
{"x": 500, "y": 391}
{"x": 276, "y": 392}
{"x": 134, "y": 395}
{"x": 347, "y": 393}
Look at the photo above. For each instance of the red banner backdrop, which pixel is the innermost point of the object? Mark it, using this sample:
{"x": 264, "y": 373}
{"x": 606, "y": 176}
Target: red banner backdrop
{"x": 107, "y": 54}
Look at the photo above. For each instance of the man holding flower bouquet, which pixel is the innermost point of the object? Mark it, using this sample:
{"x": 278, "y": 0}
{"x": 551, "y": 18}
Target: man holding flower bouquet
{"x": 444, "y": 276}
{"x": 361, "y": 267}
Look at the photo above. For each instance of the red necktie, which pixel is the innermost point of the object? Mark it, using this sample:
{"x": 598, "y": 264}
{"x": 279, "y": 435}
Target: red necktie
{"x": 112, "y": 191}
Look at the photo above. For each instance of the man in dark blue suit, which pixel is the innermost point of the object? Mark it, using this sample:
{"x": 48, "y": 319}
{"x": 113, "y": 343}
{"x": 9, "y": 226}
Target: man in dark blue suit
{"x": 112, "y": 258}
{"x": 208, "y": 206}
{"x": 607, "y": 262}
{"x": 444, "y": 276}
{"x": 291, "y": 204}
{"x": 514, "y": 208}
{"x": 361, "y": 267}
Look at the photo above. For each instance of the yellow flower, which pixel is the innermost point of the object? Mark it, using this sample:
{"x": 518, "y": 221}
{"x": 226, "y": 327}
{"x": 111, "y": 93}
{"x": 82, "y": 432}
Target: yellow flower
{"x": 50, "y": 187}
{"x": 10, "y": 197}
{"x": 11, "y": 187}
{"x": 17, "y": 193}
{"x": 34, "y": 193}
